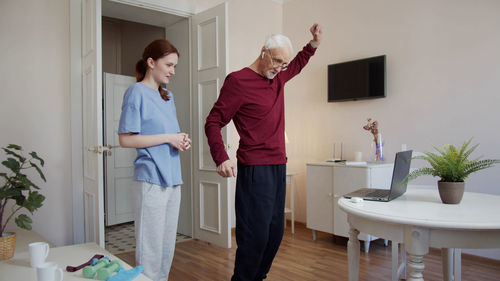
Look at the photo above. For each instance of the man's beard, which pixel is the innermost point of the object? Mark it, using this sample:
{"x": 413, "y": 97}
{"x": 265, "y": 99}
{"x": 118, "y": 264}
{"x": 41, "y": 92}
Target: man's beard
{"x": 270, "y": 74}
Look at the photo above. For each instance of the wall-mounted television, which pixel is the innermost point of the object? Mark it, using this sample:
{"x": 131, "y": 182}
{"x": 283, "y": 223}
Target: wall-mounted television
{"x": 357, "y": 79}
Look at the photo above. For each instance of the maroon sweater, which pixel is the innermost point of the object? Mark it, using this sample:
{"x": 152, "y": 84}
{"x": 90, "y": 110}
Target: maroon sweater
{"x": 257, "y": 106}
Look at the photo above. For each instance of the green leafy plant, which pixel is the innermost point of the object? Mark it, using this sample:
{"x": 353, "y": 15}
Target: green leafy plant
{"x": 451, "y": 164}
{"x": 16, "y": 186}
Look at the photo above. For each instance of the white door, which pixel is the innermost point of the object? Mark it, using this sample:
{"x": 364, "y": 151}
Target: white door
{"x": 92, "y": 122}
{"x": 118, "y": 161}
{"x": 209, "y": 68}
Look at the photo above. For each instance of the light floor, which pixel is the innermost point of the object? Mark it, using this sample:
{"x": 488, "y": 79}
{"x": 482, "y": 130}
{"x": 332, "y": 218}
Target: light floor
{"x": 120, "y": 238}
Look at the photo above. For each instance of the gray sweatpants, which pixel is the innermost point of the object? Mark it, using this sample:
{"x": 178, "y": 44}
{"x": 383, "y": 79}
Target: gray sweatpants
{"x": 156, "y": 216}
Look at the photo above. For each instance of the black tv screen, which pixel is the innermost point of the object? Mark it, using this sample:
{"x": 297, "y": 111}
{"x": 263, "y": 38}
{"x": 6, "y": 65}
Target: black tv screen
{"x": 357, "y": 79}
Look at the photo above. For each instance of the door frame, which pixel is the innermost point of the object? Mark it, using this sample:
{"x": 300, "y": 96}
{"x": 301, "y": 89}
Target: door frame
{"x": 76, "y": 99}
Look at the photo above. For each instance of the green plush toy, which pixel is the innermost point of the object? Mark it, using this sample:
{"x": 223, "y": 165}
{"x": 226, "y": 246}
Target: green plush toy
{"x": 90, "y": 270}
{"x": 106, "y": 272}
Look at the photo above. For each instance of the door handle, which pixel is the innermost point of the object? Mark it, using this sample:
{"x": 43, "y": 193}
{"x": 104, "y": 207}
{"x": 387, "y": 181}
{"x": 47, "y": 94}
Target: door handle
{"x": 100, "y": 149}
{"x": 95, "y": 149}
{"x": 107, "y": 149}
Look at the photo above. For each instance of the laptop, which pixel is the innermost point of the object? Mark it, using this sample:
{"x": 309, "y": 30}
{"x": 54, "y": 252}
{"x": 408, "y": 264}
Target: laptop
{"x": 398, "y": 187}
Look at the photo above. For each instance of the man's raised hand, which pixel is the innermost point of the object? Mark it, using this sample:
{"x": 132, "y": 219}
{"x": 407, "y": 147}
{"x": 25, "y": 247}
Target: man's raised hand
{"x": 317, "y": 33}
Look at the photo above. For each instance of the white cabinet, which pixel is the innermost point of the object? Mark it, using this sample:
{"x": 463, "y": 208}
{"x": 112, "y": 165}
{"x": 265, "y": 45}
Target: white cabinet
{"x": 327, "y": 182}
{"x": 320, "y": 197}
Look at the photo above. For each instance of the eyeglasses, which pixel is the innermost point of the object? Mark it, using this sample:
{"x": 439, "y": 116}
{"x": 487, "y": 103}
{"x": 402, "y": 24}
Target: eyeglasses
{"x": 277, "y": 63}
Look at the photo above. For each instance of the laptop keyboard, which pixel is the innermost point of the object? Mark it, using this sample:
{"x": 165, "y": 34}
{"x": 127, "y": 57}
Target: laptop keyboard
{"x": 378, "y": 193}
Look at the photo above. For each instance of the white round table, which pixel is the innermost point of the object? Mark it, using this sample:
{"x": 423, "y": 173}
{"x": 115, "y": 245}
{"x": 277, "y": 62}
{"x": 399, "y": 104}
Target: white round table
{"x": 419, "y": 220}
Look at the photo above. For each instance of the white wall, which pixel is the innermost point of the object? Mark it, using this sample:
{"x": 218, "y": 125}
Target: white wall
{"x": 443, "y": 67}
{"x": 34, "y": 107}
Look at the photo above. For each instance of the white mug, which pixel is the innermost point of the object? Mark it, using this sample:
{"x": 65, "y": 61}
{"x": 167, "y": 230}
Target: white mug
{"x": 38, "y": 253}
{"x": 47, "y": 272}
{"x": 358, "y": 156}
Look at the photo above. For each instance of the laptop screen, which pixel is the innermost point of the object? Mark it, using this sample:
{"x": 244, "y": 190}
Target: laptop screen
{"x": 401, "y": 170}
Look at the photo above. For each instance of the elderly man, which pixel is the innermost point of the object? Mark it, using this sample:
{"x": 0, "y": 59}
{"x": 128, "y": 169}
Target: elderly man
{"x": 254, "y": 98}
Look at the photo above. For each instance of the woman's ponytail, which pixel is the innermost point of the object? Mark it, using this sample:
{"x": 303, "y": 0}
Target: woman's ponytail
{"x": 140, "y": 70}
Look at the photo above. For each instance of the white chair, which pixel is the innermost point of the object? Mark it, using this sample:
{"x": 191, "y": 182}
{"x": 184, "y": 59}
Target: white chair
{"x": 398, "y": 269}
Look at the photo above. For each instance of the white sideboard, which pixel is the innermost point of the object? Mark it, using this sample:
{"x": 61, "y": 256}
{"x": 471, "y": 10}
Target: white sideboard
{"x": 328, "y": 181}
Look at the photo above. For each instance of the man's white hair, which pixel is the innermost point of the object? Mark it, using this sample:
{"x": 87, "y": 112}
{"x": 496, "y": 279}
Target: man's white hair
{"x": 274, "y": 41}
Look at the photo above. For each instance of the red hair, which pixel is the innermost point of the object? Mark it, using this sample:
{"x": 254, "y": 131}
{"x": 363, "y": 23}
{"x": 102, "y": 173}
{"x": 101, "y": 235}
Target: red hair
{"x": 155, "y": 50}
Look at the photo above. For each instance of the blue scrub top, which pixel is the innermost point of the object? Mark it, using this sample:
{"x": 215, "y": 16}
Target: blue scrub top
{"x": 144, "y": 112}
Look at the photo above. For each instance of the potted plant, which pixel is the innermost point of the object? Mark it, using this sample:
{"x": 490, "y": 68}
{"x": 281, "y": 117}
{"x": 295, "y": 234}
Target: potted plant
{"x": 15, "y": 186}
{"x": 452, "y": 166}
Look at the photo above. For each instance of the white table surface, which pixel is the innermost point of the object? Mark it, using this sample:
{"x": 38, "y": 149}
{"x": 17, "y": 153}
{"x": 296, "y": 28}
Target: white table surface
{"x": 420, "y": 220}
{"x": 18, "y": 267}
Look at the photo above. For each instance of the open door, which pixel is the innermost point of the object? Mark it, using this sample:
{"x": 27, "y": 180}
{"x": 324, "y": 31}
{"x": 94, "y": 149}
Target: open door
{"x": 92, "y": 122}
{"x": 118, "y": 161}
{"x": 209, "y": 68}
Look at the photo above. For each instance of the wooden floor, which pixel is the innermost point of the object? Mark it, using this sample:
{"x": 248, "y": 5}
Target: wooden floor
{"x": 300, "y": 258}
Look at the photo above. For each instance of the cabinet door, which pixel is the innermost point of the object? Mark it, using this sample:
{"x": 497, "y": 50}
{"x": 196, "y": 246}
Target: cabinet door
{"x": 345, "y": 180}
{"x": 320, "y": 198}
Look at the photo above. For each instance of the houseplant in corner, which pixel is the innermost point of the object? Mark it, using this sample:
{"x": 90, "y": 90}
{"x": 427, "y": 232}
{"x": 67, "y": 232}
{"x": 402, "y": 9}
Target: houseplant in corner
{"x": 452, "y": 166}
{"x": 20, "y": 191}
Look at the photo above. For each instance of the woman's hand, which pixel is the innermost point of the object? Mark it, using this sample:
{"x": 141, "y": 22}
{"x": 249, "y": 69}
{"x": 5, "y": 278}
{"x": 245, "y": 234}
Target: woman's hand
{"x": 180, "y": 141}
{"x": 187, "y": 142}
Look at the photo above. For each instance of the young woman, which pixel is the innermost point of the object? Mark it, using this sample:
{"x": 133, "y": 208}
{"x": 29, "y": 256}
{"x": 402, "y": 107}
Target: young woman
{"x": 149, "y": 123}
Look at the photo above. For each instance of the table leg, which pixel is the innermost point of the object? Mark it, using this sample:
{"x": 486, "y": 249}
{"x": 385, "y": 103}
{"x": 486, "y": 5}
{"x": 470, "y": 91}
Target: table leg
{"x": 457, "y": 264}
{"x": 416, "y": 242}
{"x": 447, "y": 261}
{"x": 416, "y": 265}
{"x": 402, "y": 267}
{"x": 452, "y": 264}
{"x": 395, "y": 260}
{"x": 353, "y": 254}
{"x": 314, "y": 235}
